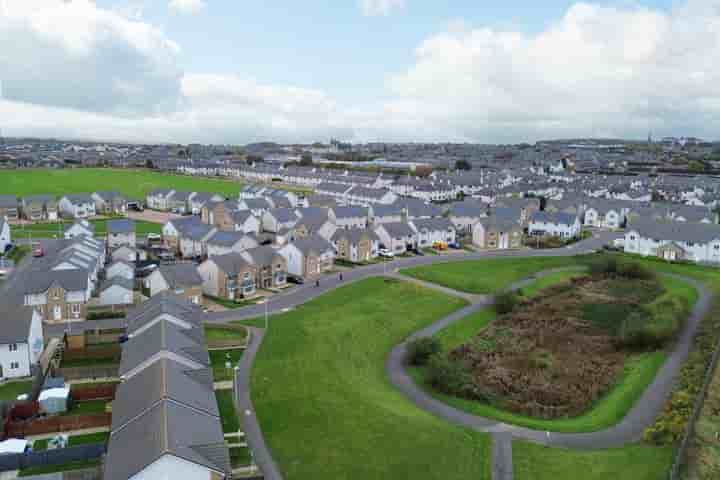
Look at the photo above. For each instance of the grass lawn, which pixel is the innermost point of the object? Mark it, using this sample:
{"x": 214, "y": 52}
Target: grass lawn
{"x": 135, "y": 184}
{"x": 229, "y": 304}
{"x": 638, "y": 373}
{"x": 325, "y": 405}
{"x": 218, "y": 359}
{"x": 550, "y": 280}
{"x": 224, "y": 334}
{"x": 11, "y": 390}
{"x": 51, "y": 230}
{"x": 87, "y": 407}
{"x": 632, "y": 462}
{"x": 489, "y": 275}
{"x": 228, "y": 415}
{"x": 239, "y": 457}
{"x": 75, "y": 440}
{"x": 45, "y": 469}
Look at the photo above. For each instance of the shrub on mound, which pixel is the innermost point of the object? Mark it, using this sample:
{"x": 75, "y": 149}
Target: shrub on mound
{"x": 655, "y": 323}
{"x": 604, "y": 265}
{"x": 449, "y": 376}
{"x": 506, "y": 302}
{"x": 635, "y": 271}
{"x": 420, "y": 350}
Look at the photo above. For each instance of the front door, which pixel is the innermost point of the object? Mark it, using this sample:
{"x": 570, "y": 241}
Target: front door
{"x": 57, "y": 312}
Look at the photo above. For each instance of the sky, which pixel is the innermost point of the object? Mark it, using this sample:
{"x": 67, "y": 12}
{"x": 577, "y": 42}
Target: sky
{"x": 238, "y": 71}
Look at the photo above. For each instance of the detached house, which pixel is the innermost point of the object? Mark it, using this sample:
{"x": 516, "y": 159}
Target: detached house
{"x": 77, "y": 206}
{"x": 271, "y": 267}
{"x": 308, "y": 257}
{"x": 5, "y": 236}
{"x": 58, "y": 295}
{"x": 21, "y": 341}
{"x": 120, "y": 232}
{"x": 695, "y": 242}
{"x": 220, "y": 243}
{"x": 386, "y": 214}
{"x": 9, "y": 207}
{"x": 497, "y": 233}
{"x": 81, "y": 228}
{"x": 356, "y": 245}
{"x": 109, "y": 203}
{"x": 349, "y": 217}
{"x": 181, "y": 278}
{"x": 228, "y": 276}
{"x": 432, "y": 230}
{"x": 244, "y": 221}
{"x": 159, "y": 199}
{"x": 397, "y": 237}
{"x": 279, "y": 219}
{"x": 561, "y": 225}
{"x": 606, "y": 214}
{"x": 465, "y": 215}
{"x": 39, "y": 207}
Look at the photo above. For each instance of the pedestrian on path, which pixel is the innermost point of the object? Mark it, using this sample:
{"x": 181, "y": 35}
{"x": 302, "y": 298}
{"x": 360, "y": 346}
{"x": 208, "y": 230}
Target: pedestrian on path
{"x": 317, "y": 283}
{"x": 341, "y": 278}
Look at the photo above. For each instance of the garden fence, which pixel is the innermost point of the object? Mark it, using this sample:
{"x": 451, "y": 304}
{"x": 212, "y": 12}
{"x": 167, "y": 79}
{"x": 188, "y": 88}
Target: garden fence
{"x": 56, "y": 424}
{"x": 681, "y": 454}
{"x": 88, "y": 373}
{"x": 80, "y": 453}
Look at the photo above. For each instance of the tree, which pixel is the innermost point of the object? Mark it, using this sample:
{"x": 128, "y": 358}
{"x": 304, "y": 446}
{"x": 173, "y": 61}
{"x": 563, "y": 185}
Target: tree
{"x": 251, "y": 159}
{"x": 306, "y": 160}
{"x": 149, "y": 164}
{"x": 463, "y": 165}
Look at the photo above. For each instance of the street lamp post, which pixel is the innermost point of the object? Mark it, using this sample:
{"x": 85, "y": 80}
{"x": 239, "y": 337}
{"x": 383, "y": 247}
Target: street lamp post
{"x": 267, "y": 313}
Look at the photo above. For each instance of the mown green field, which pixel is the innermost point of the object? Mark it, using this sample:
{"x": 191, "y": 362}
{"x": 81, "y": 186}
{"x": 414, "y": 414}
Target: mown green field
{"x": 55, "y": 230}
{"x": 489, "y": 275}
{"x": 325, "y": 406}
{"x": 136, "y": 184}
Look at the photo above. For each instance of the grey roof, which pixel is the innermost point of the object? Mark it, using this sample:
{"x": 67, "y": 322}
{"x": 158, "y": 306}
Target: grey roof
{"x": 89, "y": 227}
{"x": 164, "y": 303}
{"x": 559, "y": 218}
{"x": 257, "y": 204}
{"x": 167, "y": 428}
{"x": 163, "y": 336}
{"x": 241, "y": 216}
{"x": 164, "y": 379}
{"x": 28, "y": 199}
{"x": 225, "y": 238}
{"x": 337, "y": 188}
{"x": 313, "y": 243}
{"x": 676, "y": 231}
{"x": 180, "y": 275}
{"x": 110, "y": 195}
{"x": 262, "y": 255}
{"x": 15, "y": 323}
{"x": 470, "y": 209}
{"x": 79, "y": 198}
{"x": 160, "y": 192}
{"x": 70, "y": 280}
{"x": 398, "y": 229}
{"x": 192, "y": 228}
{"x": 350, "y": 212}
{"x": 231, "y": 263}
{"x": 433, "y": 224}
{"x": 500, "y": 223}
{"x": 283, "y": 215}
{"x": 117, "y": 280}
{"x": 387, "y": 210}
{"x": 122, "y": 225}
{"x": 8, "y": 201}
{"x": 354, "y": 235}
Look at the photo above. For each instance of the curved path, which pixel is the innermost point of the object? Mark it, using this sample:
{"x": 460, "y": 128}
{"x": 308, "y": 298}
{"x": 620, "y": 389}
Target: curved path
{"x": 629, "y": 430}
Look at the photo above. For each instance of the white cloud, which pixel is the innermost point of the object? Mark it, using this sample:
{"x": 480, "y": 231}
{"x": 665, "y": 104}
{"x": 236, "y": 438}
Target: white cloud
{"x": 187, "y": 7}
{"x": 81, "y": 71}
{"x": 381, "y": 8}
{"x": 80, "y": 56}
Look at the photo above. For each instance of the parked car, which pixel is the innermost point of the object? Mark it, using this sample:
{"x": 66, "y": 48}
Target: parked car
{"x": 297, "y": 280}
{"x": 418, "y": 252}
{"x": 384, "y": 252}
{"x": 37, "y": 250}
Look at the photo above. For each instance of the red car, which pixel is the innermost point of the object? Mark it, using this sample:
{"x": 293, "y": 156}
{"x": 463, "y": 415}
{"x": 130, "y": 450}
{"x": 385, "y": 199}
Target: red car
{"x": 37, "y": 250}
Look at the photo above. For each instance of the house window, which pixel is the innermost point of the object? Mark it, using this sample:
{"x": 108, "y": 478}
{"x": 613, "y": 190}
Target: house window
{"x": 75, "y": 308}
{"x": 14, "y": 365}
{"x": 632, "y": 237}
{"x": 13, "y": 347}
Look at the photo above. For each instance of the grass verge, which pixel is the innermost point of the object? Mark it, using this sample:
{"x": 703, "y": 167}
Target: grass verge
{"x": 228, "y": 415}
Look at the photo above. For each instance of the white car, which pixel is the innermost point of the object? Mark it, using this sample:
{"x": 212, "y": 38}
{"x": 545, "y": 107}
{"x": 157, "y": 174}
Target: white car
{"x": 384, "y": 252}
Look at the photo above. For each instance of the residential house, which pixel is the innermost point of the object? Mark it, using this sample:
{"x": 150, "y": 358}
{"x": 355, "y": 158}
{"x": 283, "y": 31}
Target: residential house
{"x": 80, "y": 228}
{"x": 271, "y": 267}
{"x": 120, "y": 269}
{"x": 109, "y": 203}
{"x": 116, "y": 291}
{"x": 465, "y": 215}
{"x": 39, "y": 208}
{"x": 228, "y": 276}
{"x": 606, "y": 214}
{"x": 179, "y": 201}
{"x": 349, "y": 217}
{"x": 121, "y": 232}
{"x": 355, "y": 245}
{"x": 561, "y": 225}
{"x": 257, "y": 206}
{"x": 308, "y": 257}
{"x": 244, "y": 221}
{"x": 21, "y": 341}
{"x": 220, "y": 214}
{"x": 5, "y": 235}
{"x": 497, "y": 233}
{"x": 433, "y": 230}
{"x": 385, "y": 213}
{"x": 77, "y": 206}
{"x": 314, "y": 221}
{"x": 220, "y": 243}
{"x": 59, "y": 295}
{"x": 279, "y": 219}
{"x": 159, "y": 199}
{"x": 9, "y": 207}
{"x": 187, "y": 236}
{"x": 126, "y": 253}
{"x": 180, "y": 278}
{"x": 201, "y": 199}
{"x": 397, "y": 237}
{"x": 695, "y": 242}
{"x": 526, "y": 207}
